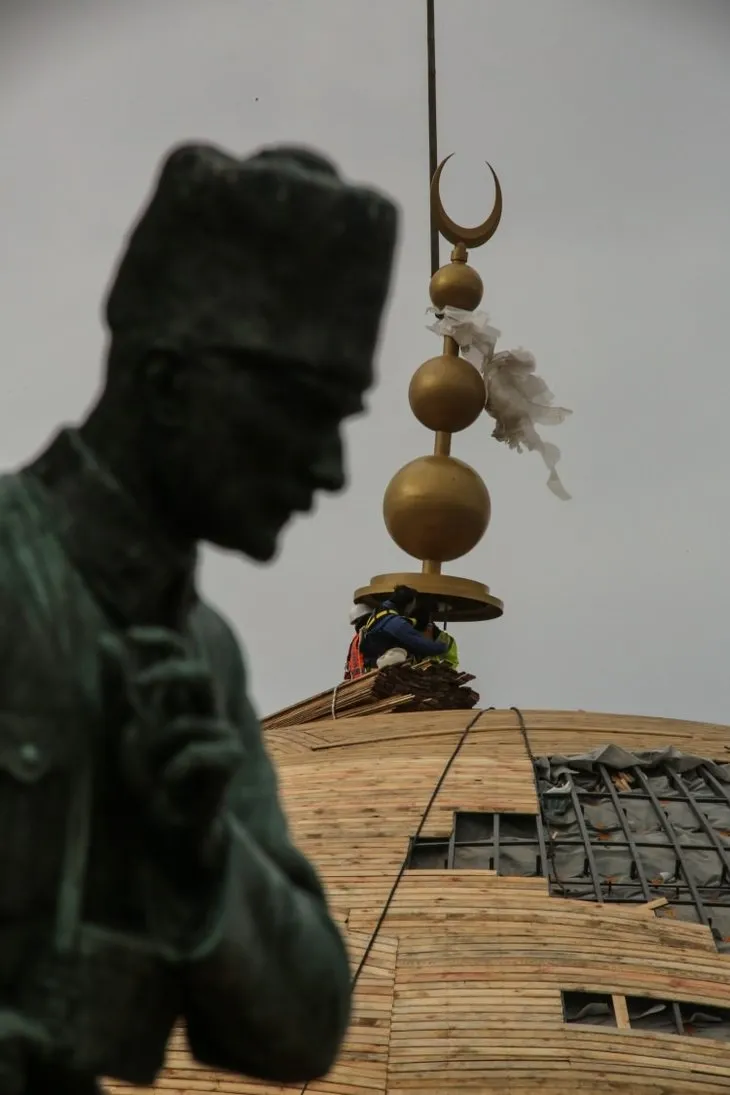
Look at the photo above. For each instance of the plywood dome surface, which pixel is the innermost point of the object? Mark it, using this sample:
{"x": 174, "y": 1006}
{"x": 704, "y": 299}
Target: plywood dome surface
{"x": 475, "y": 978}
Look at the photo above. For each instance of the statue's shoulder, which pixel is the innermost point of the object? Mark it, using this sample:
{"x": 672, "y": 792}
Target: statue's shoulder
{"x": 12, "y": 487}
{"x": 22, "y": 531}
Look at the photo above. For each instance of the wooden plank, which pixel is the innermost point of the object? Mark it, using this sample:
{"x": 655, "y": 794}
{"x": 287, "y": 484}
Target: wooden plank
{"x": 621, "y": 1011}
{"x": 657, "y": 903}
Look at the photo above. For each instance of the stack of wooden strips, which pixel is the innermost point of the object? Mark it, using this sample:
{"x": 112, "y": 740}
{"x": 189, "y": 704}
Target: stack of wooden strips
{"x": 428, "y": 686}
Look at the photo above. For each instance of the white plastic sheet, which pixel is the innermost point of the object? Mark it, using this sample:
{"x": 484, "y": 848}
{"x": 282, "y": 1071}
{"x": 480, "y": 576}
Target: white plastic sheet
{"x": 517, "y": 398}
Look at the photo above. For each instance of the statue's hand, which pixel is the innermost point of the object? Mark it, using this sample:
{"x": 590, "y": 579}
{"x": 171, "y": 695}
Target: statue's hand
{"x": 177, "y": 754}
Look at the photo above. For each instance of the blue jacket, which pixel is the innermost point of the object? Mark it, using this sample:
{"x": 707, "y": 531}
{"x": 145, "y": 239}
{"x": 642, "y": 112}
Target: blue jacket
{"x": 390, "y": 631}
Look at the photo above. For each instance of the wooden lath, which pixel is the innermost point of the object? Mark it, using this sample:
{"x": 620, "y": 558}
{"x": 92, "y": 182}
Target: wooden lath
{"x": 427, "y": 686}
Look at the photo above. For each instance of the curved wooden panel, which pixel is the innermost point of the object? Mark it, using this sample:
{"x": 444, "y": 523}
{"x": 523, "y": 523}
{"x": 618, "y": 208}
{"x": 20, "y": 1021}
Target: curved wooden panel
{"x": 463, "y": 987}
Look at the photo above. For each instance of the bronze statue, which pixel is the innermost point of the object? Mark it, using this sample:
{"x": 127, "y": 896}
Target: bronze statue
{"x": 147, "y": 874}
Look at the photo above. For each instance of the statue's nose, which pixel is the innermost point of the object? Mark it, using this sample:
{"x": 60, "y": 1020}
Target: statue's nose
{"x": 328, "y": 470}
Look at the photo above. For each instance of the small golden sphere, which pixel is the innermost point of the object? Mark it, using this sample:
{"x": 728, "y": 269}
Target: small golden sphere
{"x": 447, "y": 393}
{"x": 436, "y": 507}
{"x": 457, "y": 285}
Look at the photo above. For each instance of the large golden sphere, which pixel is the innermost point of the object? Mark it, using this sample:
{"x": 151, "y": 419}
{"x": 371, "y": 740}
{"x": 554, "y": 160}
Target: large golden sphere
{"x": 447, "y": 393}
{"x": 457, "y": 285}
{"x": 436, "y": 507}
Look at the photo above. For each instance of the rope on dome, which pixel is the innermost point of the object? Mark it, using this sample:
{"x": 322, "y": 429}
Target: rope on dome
{"x": 542, "y": 820}
{"x": 424, "y": 818}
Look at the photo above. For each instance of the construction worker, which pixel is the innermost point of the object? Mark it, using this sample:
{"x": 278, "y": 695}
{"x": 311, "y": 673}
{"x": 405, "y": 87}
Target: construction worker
{"x": 388, "y": 637}
{"x": 355, "y": 664}
{"x": 422, "y": 622}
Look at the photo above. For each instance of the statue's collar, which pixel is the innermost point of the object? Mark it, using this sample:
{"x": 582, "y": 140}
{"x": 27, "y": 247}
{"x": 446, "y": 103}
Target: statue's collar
{"x": 129, "y": 565}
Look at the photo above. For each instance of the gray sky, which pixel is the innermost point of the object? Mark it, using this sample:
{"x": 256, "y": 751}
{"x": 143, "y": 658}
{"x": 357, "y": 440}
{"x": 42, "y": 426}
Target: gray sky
{"x": 607, "y": 122}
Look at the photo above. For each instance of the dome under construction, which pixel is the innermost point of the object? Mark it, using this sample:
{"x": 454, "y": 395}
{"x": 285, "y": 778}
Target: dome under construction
{"x": 533, "y": 901}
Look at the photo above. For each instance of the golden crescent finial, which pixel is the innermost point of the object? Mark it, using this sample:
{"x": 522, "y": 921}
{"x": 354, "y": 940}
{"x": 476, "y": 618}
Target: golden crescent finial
{"x": 471, "y": 237}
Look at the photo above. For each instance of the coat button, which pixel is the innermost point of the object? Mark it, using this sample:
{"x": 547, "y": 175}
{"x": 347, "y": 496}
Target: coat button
{"x": 30, "y": 754}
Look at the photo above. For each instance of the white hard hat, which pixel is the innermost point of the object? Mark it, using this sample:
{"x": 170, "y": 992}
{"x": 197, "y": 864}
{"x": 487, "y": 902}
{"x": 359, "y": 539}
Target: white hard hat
{"x": 358, "y": 611}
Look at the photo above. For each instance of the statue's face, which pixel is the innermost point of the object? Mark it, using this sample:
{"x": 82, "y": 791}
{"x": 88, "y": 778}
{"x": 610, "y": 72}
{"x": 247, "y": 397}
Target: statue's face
{"x": 250, "y": 443}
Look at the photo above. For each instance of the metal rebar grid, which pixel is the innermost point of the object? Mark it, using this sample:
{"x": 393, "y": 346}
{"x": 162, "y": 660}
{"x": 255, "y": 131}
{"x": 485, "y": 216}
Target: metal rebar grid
{"x": 489, "y": 838}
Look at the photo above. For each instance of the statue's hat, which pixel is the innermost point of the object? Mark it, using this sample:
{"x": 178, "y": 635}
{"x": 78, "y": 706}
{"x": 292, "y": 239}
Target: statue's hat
{"x": 271, "y": 254}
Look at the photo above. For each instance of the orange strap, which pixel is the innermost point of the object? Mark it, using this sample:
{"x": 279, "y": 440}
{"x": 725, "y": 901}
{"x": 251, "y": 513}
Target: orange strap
{"x": 355, "y": 661}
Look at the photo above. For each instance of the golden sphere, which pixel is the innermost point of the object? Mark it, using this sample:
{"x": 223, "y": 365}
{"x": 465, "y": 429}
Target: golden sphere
{"x": 437, "y": 508}
{"x": 447, "y": 393}
{"x": 457, "y": 285}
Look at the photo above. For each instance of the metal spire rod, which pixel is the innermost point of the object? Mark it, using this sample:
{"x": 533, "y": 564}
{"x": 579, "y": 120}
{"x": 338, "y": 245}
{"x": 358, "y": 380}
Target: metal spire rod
{"x": 432, "y": 126}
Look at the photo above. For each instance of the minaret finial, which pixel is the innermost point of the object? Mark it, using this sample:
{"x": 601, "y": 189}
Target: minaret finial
{"x": 437, "y": 508}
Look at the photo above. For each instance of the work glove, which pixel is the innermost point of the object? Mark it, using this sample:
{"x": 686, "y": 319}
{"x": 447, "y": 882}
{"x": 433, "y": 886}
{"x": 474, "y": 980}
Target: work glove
{"x": 395, "y": 656}
{"x": 177, "y": 754}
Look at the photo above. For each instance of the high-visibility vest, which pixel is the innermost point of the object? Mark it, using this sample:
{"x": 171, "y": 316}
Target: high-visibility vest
{"x": 451, "y": 651}
{"x": 451, "y": 657}
{"x": 355, "y": 665}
